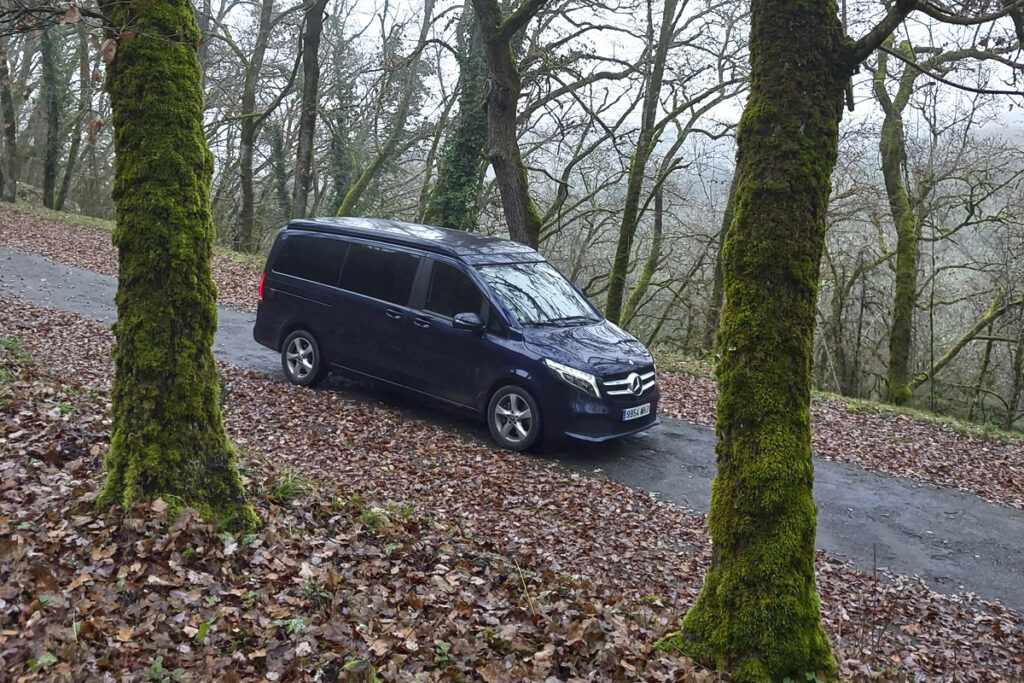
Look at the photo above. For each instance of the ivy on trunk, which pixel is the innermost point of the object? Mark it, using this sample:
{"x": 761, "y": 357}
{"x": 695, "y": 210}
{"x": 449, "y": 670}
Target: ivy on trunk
{"x": 453, "y": 200}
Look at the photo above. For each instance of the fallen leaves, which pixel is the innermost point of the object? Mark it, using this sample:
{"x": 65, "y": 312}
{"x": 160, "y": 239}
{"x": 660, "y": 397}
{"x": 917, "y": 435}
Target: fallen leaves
{"x": 418, "y": 551}
{"x": 415, "y": 551}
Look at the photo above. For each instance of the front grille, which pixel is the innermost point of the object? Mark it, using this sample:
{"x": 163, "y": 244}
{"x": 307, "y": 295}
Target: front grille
{"x": 619, "y": 385}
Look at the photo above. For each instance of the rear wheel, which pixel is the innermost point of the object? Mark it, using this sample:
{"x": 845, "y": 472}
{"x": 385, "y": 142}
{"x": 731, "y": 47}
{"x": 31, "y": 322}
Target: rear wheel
{"x": 514, "y": 418}
{"x": 301, "y": 359}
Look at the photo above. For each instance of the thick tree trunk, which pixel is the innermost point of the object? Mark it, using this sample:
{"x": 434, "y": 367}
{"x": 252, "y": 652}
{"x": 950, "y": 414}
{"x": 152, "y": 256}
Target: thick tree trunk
{"x": 168, "y": 438}
{"x": 501, "y": 94}
{"x": 758, "y": 614}
{"x": 648, "y": 138}
{"x": 310, "y": 98}
{"x": 454, "y": 200}
{"x": 49, "y": 93}
{"x": 10, "y": 123}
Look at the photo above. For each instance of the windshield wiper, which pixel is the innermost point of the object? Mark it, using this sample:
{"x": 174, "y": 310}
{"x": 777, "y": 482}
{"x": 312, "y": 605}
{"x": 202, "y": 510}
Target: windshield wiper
{"x": 569, "y": 319}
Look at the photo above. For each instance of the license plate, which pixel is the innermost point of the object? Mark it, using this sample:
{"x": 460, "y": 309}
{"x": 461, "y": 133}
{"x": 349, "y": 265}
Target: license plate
{"x": 635, "y": 412}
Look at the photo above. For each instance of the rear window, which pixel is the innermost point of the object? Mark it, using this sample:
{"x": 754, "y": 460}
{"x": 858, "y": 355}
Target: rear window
{"x": 381, "y": 273}
{"x": 311, "y": 258}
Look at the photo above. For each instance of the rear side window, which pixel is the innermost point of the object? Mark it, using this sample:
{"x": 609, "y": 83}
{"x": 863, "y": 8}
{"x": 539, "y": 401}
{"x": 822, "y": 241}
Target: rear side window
{"x": 380, "y": 273}
{"x": 311, "y": 258}
{"x": 451, "y": 291}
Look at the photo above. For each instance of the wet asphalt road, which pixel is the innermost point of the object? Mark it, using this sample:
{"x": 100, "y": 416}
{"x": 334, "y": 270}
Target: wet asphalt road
{"x": 954, "y": 541}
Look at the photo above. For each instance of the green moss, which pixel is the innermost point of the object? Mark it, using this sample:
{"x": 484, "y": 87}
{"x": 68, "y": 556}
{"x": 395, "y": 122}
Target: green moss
{"x": 168, "y": 436}
{"x": 758, "y": 614}
{"x": 893, "y": 151}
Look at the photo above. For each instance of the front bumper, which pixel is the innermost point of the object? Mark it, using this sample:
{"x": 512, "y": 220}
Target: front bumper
{"x": 592, "y": 419}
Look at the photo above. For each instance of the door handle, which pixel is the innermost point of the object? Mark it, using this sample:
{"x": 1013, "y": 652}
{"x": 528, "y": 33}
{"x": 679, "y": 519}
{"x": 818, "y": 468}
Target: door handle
{"x": 421, "y": 322}
{"x": 392, "y": 313}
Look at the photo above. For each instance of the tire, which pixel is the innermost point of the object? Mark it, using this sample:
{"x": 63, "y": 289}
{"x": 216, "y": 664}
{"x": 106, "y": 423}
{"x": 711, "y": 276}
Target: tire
{"x": 301, "y": 359}
{"x": 514, "y": 418}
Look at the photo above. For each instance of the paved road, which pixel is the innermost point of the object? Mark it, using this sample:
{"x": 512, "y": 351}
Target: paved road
{"x": 953, "y": 540}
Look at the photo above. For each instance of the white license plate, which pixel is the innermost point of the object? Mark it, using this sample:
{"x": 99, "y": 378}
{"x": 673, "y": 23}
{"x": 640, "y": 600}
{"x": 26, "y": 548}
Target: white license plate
{"x": 635, "y": 412}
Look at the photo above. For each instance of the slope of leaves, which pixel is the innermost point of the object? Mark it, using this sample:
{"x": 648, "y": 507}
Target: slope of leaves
{"x": 90, "y": 248}
{"x": 935, "y": 454}
{"x": 417, "y": 552}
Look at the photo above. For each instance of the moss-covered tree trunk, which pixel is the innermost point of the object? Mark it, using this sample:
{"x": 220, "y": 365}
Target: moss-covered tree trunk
{"x": 758, "y": 614}
{"x": 168, "y": 436}
{"x": 906, "y": 205}
{"x": 453, "y": 201}
{"x": 893, "y": 149}
{"x": 501, "y": 94}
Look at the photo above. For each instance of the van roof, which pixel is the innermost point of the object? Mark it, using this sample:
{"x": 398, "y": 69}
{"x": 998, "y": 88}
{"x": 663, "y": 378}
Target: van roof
{"x": 471, "y": 247}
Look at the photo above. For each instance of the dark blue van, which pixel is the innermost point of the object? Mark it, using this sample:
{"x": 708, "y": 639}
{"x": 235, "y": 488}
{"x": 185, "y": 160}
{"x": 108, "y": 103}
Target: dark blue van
{"x": 476, "y": 322}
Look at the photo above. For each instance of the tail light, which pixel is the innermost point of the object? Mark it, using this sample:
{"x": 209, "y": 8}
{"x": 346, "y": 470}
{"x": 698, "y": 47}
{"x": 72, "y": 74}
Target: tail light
{"x": 263, "y": 279}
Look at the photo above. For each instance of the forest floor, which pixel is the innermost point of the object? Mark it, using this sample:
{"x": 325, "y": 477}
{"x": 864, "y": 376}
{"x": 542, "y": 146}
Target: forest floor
{"x": 399, "y": 544}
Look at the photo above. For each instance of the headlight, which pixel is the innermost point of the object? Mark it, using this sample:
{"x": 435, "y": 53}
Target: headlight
{"x": 583, "y": 381}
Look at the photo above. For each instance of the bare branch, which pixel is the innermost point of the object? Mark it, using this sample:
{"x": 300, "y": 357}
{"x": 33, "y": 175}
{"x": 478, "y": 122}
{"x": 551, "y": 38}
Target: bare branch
{"x": 946, "y": 81}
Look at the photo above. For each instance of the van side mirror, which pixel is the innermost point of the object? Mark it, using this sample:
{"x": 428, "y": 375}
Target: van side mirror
{"x": 468, "y": 321}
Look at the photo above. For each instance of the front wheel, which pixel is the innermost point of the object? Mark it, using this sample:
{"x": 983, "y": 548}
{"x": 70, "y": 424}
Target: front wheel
{"x": 514, "y": 418}
{"x": 301, "y": 359}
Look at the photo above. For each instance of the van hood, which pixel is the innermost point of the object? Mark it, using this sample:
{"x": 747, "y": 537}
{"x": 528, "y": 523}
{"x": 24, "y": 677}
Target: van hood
{"x": 600, "y": 348}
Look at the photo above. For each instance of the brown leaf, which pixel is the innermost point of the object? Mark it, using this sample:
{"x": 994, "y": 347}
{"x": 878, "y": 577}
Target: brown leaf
{"x": 72, "y": 16}
{"x": 108, "y": 50}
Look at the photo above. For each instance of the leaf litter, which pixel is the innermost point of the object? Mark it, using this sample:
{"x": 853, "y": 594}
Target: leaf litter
{"x": 395, "y": 544}
{"x": 644, "y": 559}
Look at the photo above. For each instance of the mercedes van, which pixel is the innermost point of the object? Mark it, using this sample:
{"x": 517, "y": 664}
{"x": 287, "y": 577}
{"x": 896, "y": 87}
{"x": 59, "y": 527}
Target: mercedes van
{"x": 475, "y": 322}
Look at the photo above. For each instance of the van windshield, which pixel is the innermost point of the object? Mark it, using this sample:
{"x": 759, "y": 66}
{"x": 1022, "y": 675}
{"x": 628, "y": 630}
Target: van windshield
{"x": 537, "y": 294}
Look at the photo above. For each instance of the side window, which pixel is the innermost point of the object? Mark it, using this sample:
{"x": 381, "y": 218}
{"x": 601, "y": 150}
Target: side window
{"x": 380, "y": 273}
{"x": 311, "y": 258}
{"x": 451, "y": 291}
